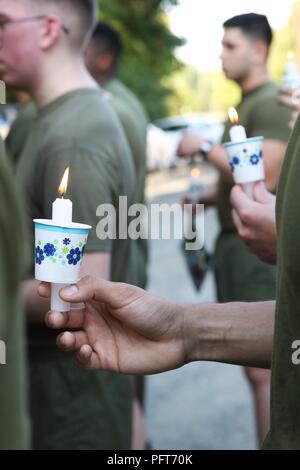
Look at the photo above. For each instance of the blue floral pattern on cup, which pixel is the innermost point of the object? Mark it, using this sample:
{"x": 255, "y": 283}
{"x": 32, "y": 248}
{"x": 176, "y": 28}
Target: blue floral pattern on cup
{"x": 244, "y": 158}
{"x": 74, "y": 256}
{"x": 54, "y": 253}
{"x": 39, "y": 255}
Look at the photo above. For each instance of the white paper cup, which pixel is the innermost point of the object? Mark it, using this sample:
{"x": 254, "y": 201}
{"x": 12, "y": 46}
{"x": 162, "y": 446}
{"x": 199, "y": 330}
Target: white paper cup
{"x": 59, "y": 253}
{"x": 246, "y": 160}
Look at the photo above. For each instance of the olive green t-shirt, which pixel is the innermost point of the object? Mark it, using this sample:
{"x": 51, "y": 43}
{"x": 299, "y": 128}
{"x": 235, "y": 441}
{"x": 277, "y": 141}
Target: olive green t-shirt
{"x": 14, "y": 429}
{"x": 19, "y": 131}
{"x": 134, "y": 121}
{"x": 285, "y": 404}
{"x": 261, "y": 115}
{"x": 80, "y": 130}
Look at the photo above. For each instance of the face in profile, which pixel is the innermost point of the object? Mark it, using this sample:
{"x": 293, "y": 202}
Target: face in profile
{"x": 237, "y": 54}
{"x": 18, "y": 41}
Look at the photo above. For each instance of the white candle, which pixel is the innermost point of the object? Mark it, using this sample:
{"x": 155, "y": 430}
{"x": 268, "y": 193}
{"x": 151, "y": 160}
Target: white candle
{"x": 62, "y": 211}
{"x": 237, "y": 132}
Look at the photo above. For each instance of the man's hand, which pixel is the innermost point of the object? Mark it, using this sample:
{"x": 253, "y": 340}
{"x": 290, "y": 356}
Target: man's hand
{"x": 189, "y": 145}
{"x": 290, "y": 97}
{"x": 255, "y": 221}
{"x": 121, "y": 329}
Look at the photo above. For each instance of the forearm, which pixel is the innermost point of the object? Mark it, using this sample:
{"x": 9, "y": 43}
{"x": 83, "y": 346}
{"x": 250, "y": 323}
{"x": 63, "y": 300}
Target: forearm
{"x": 235, "y": 333}
{"x": 218, "y": 157}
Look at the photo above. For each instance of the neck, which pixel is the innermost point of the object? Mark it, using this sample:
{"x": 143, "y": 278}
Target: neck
{"x": 72, "y": 75}
{"x": 104, "y": 79}
{"x": 254, "y": 80}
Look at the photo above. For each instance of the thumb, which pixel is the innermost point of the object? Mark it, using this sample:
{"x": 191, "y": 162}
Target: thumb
{"x": 262, "y": 195}
{"x": 90, "y": 288}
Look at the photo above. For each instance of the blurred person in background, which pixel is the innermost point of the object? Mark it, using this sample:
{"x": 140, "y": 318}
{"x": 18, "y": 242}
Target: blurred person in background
{"x": 14, "y": 420}
{"x": 42, "y": 54}
{"x": 255, "y": 220}
{"x": 103, "y": 56}
{"x": 240, "y": 275}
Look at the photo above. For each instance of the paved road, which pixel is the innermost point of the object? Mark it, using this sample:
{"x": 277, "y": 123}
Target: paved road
{"x": 202, "y": 405}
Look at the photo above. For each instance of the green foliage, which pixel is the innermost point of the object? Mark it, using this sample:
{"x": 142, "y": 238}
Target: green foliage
{"x": 195, "y": 91}
{"x": 149, "y": 48}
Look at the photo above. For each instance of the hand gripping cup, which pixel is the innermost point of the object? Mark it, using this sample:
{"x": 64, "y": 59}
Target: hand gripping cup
{"x": 246, "y": 161}
{"x": 59, "y": 253}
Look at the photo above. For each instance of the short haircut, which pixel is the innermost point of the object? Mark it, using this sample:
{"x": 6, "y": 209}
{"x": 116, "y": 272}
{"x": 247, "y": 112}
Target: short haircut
{"x": 109, "y": 39}
{"x": 86, "y": 13}
{"x": 253, "y": 25}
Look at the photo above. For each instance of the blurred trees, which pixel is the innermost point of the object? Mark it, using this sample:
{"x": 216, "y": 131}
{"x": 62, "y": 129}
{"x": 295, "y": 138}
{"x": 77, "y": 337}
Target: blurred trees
{"x": 164, "y": 85}
{"x": 196, "y": 91}
{"x": 149, "y": 48}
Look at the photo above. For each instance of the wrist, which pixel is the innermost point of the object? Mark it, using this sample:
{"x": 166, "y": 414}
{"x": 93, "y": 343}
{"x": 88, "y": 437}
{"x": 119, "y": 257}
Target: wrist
{"x": 204, "y": 333}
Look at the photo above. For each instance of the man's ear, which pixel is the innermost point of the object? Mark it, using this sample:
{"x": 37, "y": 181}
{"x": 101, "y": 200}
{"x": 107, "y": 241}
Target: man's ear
{"x": 261, "y": 52}
{"x": 51, "y": 29}
{"x": 105, "y": 62}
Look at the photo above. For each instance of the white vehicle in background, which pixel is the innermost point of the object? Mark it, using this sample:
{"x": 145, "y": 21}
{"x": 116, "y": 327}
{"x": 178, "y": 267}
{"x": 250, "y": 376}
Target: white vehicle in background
{"x": 164, "y": 136}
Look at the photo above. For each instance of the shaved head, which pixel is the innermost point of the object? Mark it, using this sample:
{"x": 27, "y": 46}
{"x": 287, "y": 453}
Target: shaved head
{"x": 79, "y": 16}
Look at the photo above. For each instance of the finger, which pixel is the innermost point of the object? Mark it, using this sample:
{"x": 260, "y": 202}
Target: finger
{"x": 239, "y": 200}
{"x": 262, "y": 195}
{"x": 89, "y": 288}
{"x": 87, "y": 359}
{"x": 71, "y": 341}
{"x": 72, "y": 319}
{"x": 237, "y": 221}
{"x": 286, "y": 90}
{"x": 44, "y": 289}
{"x": 292, "y": 101}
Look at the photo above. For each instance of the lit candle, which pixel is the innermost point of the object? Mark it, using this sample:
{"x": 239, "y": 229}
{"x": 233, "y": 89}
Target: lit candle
{"x": 62, "y": 209}
{"x": 237, "y": 133}
{"x": 62, "y": 212}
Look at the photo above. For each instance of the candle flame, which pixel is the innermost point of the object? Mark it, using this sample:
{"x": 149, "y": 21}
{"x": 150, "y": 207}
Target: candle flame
{"x": 233, "y": 116}
{"x": 290, "y": 55}
{"x": 64, "y": 183}
{"x": 195, "y": 173}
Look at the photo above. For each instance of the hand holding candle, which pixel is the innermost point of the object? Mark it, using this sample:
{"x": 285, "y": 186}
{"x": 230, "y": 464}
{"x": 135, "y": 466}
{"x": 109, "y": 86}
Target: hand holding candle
{"x": 60, "y": 245}
{"x": 245, "y": 155}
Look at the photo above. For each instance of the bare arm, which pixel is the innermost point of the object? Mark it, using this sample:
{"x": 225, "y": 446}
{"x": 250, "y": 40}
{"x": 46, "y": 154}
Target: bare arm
{"x": 125, "y": 329}
{"x": 235, "y": 333}
{"x": 94, "y": 264}
{"x": 273, "y": 151}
